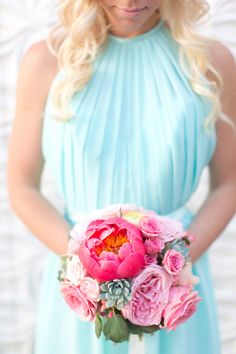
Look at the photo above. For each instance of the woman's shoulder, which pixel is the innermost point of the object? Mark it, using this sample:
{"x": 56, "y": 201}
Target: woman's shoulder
{"x": 223, "y": 61}
{"x": 38, "y": 68}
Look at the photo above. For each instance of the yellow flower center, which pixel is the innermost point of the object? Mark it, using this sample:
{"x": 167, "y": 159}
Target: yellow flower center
{"x": 111, "y": 243}
{"x": 133, "y": 216}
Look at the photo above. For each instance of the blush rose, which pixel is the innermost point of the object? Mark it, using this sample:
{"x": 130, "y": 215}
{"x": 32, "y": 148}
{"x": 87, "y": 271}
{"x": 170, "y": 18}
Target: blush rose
{"x": 82, "y": 298}
{"x": 149, "y": 296}
{"x": 181, "y": 305}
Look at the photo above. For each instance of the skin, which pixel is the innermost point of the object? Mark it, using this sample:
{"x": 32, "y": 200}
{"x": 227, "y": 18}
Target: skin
{"x": 123, "y": 25}
{"x": 37, "y": 70}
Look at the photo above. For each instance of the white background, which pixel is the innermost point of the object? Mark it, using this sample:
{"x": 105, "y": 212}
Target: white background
{"x": 21, "y": 255}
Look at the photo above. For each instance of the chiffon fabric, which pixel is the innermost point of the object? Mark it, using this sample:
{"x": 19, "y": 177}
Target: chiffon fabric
{"x": 136, "y": 136}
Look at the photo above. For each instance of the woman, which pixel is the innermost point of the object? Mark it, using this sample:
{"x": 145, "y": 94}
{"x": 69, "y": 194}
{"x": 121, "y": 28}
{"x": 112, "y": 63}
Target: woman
{"x": 131, "y": 99}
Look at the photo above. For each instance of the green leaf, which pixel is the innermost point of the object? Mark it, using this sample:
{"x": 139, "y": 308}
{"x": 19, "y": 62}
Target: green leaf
{"x": 60, "y": 276}
{"x": 116, "y": 329}
{"x": 63, "y": 260}
{"x": 98, "y": 326}
{"x": 135, "y": 329}
{"x": 150, "y": 329}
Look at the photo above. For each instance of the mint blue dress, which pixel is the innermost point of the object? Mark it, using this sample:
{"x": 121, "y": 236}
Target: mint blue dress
{"x": 136, "y": 136}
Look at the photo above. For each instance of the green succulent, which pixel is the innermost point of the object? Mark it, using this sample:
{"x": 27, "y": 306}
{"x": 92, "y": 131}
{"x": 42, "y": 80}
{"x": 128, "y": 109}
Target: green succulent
{"x": 116, "y": 293}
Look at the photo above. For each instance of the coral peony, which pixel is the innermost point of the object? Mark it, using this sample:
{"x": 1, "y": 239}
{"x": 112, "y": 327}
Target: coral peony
{"x": 113, "y": 248}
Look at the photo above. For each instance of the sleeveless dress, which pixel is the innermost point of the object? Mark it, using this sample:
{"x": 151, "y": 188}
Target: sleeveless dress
{"x": 136, "y": 136}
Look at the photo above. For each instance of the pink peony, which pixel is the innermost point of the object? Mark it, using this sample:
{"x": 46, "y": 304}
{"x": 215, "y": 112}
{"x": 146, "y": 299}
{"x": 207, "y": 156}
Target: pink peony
{"x": 154, "y": 245}
{"x": 173, "y": 262}
{"x": 113, "y": 248}
{"x": 149, "y": 296}
{"x": 182, "y": 304}
{"x": 79, "y": 302}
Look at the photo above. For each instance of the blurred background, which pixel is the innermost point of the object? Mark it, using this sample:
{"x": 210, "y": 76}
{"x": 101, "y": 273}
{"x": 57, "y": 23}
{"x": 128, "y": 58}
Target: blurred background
{"x": 22, "y": 257}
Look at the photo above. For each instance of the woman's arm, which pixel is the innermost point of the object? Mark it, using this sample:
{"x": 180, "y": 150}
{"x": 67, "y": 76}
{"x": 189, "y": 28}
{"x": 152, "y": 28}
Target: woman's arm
{"x": 220, "y": 206}
{"x": 25, "y": 165}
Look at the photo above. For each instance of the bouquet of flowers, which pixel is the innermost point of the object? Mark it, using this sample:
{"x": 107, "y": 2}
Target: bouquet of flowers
{"x": 128, "y": 270}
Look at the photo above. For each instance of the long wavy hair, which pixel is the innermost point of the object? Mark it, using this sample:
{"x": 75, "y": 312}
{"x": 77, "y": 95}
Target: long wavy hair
{"x": 82, "y": 30}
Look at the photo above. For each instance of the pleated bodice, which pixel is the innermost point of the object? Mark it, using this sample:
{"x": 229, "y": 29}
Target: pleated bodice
{"x": 136, "y": 135}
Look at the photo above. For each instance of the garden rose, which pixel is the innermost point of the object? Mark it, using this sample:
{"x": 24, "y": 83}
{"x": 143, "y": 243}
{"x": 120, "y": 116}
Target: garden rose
{"x": 173, "y": 262}
{"x": 172, "y": 229}
{"x": 113, "y": 248}
{"x": 75, "y": 271}
{"x": 166, "y": 228}
{"x": 90, "y": 288}
{"x": 79, "y": 302}
{"x": 149, "y": 296}
{"x": 186, "y": 277}
{"x": 181, "y": 305}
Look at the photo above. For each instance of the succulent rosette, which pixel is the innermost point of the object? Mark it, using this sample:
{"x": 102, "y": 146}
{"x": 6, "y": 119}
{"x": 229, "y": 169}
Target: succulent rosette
{"x": 128, "y": 269}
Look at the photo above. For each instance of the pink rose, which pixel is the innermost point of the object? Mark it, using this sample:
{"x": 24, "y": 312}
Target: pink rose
{"x": 172, "y": 229}
{"x": 149, "y": 296}
{"x": 154, "y": 245}
{"x": 150, "y": 226}
{"x": 165, "y": 228}
{"x": 186, "y": 277}
{"x": 182, "y": 304}
{"x": 150, "y": 259}
{"x": 113, "y": 249}
{"x": 173, "y": 262}
{"x": 78, "y": 302}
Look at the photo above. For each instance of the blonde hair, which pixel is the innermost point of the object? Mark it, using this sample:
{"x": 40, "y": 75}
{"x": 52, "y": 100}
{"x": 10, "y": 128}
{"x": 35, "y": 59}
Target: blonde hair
{"x": 82, "y": 31}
